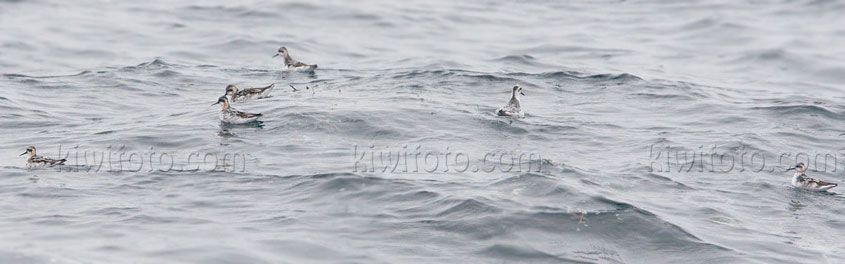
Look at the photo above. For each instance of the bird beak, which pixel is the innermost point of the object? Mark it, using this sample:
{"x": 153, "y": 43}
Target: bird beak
{"x": 23, "y": 153}
{"x": 523, "y": 94}
{"x": 277, "y": 55}
{"x": 216, "y": 103}
{"x": 790, "y": 169}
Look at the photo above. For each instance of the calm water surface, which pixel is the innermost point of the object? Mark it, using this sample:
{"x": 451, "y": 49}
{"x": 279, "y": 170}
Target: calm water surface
{"x": 660, "y": 129}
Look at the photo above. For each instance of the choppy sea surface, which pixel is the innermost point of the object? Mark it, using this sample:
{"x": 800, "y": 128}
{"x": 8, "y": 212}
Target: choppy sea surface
{"x": 655, "y": 132}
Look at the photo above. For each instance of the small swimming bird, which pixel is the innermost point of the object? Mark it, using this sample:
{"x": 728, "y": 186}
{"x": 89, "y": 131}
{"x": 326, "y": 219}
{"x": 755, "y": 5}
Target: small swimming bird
{"x": 512, "y": 109}
{"x": 241, "y": 95}
{"x": 37, "y": 161}
{"x": 801, "y": 180}
{"x": 233, "y": 116}
{"x": 292, "y": 64}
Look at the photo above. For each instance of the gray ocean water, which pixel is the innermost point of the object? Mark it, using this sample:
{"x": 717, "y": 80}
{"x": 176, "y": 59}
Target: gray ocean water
{"x": 655, "y": 132}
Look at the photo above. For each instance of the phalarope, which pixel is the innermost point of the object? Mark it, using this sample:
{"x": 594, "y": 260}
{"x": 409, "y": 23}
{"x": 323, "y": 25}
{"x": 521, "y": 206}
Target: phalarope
{"x": 292, "y": 64}
{"x": 513, "y": 108}
{"x": 801, "y": 180}
{"x": 37, "y": 161}
{"x": 233, "y": 116}
{"x": 241, "y": 95}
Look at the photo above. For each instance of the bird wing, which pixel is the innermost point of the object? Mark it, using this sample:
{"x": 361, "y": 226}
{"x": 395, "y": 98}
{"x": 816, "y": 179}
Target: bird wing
{"x": 259, "y": 89}
{"x": 246, "y": 115}
{"x": 820, "y": 183}
{"x": 48, "y": 160}
{"x": 252, "y": 91}
{"x": 507, "y": 112}
{"x": 509, "y": 109}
